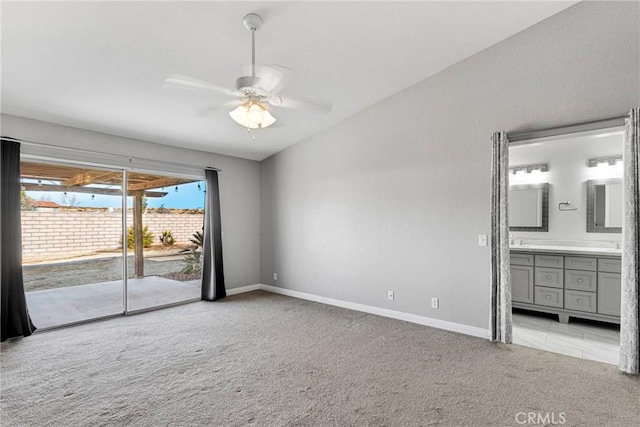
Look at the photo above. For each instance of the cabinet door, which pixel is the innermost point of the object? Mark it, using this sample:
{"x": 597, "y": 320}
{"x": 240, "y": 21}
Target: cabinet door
{"x": 522, "y": 284}
{"x": 609, "y": 290}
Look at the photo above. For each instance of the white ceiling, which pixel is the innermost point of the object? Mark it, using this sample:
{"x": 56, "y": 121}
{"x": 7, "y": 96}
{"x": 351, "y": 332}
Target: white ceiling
{"x": 101, "y": 65}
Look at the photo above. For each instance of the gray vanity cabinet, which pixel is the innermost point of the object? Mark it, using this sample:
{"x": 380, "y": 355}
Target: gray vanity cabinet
{"x": 522, "y": 278}
{"x": 567, "y": 285}
{"x": 609, "y": 286}
{"x": 609, "y": 293}
{"x": 522, "y": 283}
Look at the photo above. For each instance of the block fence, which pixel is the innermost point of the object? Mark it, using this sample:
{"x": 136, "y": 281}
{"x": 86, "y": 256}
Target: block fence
{"x": 69, "y": 232}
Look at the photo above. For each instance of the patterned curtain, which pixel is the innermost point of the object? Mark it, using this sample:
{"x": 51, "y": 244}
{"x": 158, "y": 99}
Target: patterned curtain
{"x": 500, "y": 262}
{"x": 630, "y": 309}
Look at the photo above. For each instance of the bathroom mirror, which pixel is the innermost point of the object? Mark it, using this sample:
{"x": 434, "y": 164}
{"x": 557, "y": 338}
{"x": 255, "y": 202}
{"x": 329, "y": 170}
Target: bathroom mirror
{"x": 529, "y": 207}
{"x": 604, "y": 206}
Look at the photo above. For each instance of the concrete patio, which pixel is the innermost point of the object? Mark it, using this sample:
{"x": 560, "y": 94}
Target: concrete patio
{"x": 59, "y": 306}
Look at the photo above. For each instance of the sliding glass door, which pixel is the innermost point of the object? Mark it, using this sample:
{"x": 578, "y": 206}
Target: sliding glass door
{"x": 71, "y": 236}
{"x": 78, "y": 227}
{"x": 165, "y": 216}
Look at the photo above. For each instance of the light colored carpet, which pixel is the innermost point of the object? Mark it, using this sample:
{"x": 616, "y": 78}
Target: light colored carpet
{"x": 270, "y": 360}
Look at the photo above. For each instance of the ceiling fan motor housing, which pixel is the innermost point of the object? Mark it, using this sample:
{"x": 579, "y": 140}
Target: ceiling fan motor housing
{"x": 250, "y": 86}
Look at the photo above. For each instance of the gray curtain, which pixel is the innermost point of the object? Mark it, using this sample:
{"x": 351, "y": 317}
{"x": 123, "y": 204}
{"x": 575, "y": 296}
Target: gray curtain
{"x": 630, "y": 309}
{"x": 212, "y": 269}
{"x": 500, "y": 262}
{"x": 15, "y": 315}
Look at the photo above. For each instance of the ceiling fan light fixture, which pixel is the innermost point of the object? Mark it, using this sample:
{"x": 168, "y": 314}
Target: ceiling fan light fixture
{"x": 252, "y": 115}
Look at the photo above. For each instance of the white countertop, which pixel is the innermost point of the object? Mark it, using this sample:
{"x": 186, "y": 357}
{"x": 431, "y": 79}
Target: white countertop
{"x": 572, "y": 250}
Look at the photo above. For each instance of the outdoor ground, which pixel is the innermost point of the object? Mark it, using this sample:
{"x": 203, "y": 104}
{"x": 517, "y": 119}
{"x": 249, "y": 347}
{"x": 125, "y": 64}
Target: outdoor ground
{"x": 101, "y": 268}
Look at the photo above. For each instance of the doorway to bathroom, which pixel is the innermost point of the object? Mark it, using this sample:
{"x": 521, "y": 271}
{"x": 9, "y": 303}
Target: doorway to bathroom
{"x": 565, "y": 233}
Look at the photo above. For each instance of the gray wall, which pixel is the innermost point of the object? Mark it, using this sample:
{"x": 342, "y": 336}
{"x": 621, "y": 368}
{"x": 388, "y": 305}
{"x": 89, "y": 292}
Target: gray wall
{"x": 394, "y": 198}
{"x": 239, "y": 185}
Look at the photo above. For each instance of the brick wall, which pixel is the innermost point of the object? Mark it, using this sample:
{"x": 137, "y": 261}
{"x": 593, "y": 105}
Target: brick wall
{"x": 73, "y": 232}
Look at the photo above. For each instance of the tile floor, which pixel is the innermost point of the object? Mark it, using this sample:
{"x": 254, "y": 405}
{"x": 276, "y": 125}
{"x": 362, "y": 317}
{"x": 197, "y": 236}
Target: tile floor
{"x": 583, "y": 339}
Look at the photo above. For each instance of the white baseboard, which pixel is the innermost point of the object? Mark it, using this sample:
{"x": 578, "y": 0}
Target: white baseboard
{"x": 243, "y": 289}
{"x": 407, "y": 317}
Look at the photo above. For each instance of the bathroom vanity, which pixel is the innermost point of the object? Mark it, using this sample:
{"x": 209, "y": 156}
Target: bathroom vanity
{"x": 570, "y": 282}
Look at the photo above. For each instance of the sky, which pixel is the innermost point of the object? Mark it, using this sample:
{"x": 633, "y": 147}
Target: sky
{"x": 188, "y": 196}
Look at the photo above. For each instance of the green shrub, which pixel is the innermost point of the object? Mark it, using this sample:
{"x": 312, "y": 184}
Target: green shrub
{"x": 147, "y": 238}
{"x": 167, "y": 238}
{"x": 193, "y": 257}
{"x": 192, "y": 263}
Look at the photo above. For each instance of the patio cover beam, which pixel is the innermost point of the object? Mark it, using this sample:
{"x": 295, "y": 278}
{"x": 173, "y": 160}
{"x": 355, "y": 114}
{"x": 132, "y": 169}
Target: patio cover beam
{"x": 157, "y": 183}
{"x": 88, "y": 190}
{"x": 138, "y": 243}
{"x": 87, "y": 177}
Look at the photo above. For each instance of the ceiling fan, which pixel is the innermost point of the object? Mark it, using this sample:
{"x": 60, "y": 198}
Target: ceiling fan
{"x": 253, "y": 92}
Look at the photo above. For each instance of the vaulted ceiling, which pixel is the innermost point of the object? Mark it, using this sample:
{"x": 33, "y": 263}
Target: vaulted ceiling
{"x": 101, "y": 65}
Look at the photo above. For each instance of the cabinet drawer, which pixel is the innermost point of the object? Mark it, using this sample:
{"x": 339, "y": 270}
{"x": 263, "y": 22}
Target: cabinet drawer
{"x": 610, "y": 265}
{"x": 580, "y": 301}
{"x": 551, "y": 297}
{"x": 580, "y": 280}
{"x": 580, "y": 263}
{"x": 551, "y": 277}
{"x": 609, "y": 293}
{"x": 554, "y": 261}
{"x": 521, "y": 259}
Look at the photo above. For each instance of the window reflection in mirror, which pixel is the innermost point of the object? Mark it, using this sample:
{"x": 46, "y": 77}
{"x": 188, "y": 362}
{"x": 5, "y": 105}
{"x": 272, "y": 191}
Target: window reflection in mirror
{"x": 529, "y": 207}
{"x": 604, "y": 206}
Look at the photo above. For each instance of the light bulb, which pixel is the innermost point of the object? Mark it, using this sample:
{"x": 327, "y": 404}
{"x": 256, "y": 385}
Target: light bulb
{"x": 254, "y": 114}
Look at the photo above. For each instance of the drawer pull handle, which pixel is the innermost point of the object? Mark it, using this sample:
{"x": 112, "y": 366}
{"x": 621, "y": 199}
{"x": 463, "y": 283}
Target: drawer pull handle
{"x": 580, "y": 280}
{"x": 579, "y": 301}
{"x": 548, "y": 297}
{"x": 548, "y": 277}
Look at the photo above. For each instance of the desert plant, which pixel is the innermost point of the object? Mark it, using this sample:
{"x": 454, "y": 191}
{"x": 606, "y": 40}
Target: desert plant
{"x": 197, "y": 239}
{"x": 167, "y": 238}
{"x": 162, "y": 210}
{"x": 26, "y": 202}
{"x": 193, "y": 259}
{"x": 192, "y": 263}
{"x": 147, "y": 238}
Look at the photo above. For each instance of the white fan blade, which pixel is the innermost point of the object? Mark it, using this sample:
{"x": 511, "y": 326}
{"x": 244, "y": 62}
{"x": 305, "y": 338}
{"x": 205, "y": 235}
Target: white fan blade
{"x": 273, "y": 77}
{"x": 190, "y": 82}
{"x": 230, "y": 105}
{"x": 286, "y": 102}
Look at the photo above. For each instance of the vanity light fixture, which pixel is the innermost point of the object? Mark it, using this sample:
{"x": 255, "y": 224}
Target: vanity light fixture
{"x": 540, "y": 167}
{"x": 611, "y": 161}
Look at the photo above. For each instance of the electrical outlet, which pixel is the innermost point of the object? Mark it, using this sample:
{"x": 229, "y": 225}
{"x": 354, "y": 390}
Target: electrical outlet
{"x": 275, "y": 276}
{"x": 482, "y": 240}
{"x": 390, "y": 295}
{"x": 434, "y": 303}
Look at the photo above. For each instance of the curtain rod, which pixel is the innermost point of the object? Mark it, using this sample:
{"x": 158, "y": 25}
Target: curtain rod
{"x": 129, "y": 159}
{"x": 564, "y": 130}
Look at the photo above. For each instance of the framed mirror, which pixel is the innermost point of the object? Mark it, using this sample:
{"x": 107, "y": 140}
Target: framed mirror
{"x": 529, "y": 207}
{"x": 604, "y": 205}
